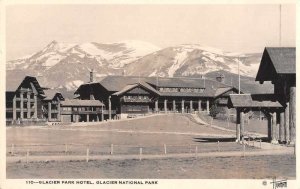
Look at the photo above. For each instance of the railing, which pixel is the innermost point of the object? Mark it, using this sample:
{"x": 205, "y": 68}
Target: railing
{"x": 87, "y": 111}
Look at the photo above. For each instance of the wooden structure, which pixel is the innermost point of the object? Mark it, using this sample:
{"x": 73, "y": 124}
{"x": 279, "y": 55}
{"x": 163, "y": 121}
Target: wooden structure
{"x": 51, "y": 105}
{"x": 140, "y": 95}
{"x": 82, "y": 111}
{"x": 278, "y": 65}
{"x": 24, "y": 101}
{"x": 29, "y": 103}
{"x": 268, "y": 104}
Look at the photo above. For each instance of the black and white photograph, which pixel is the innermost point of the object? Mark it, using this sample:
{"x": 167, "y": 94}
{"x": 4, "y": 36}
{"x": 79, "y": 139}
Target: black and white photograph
{"x": 135, "y": 94}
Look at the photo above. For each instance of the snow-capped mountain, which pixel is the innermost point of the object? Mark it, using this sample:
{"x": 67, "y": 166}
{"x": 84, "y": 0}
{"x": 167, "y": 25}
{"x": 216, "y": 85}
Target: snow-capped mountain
{"x": 193, "y": 60}
{"x": 64, "y": 65}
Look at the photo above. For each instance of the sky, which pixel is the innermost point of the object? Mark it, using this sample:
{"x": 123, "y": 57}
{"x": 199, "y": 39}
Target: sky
{"x": 232, "y": 28}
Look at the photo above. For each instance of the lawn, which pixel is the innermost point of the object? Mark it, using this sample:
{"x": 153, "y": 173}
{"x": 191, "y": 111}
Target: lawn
{"x": 252, "y": 167}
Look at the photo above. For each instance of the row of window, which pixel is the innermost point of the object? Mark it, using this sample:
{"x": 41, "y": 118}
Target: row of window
{"x": 136, "y": 97}
{"x": 81, "y": 109}
{"x": 188, "y": 90}
{"x": 18, "y": 95}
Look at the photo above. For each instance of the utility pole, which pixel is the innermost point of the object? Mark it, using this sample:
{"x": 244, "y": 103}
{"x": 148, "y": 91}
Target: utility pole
{"x": 239, "y": 75}
{"x": 280, "y": 25}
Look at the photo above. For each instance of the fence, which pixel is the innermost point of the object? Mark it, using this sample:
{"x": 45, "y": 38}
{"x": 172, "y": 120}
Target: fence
{"x": 73, "y": 150}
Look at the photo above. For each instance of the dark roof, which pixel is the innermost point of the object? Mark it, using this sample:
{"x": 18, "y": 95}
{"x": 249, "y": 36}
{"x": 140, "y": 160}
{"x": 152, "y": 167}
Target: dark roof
{"x": 13, "y": 82}
{"x": 50, "y": 94}
{"x": 132, "y": 86}
{"x": 16, "y": 83}
{"x": 222, "y": 90}
{"x": 118, "y": 83}
{"x": 253, "y": 101}
{"x": 75, "y": 102}
{"x": 276, "y": 60}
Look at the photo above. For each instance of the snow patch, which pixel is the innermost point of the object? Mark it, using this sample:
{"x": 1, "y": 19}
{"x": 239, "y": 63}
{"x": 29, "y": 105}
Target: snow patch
{"x": 178, "y": 62}
{"x": 73, "y": 84}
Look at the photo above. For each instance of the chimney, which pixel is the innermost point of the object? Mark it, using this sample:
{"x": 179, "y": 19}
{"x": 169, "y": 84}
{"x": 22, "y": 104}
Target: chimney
{"x": 220, "y": 78}
{"x": 92, "y": 76}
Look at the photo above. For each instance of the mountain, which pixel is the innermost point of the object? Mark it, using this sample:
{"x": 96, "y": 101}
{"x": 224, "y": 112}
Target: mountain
{"x": 67, "y": 65}
{"x": 193, "y": 60}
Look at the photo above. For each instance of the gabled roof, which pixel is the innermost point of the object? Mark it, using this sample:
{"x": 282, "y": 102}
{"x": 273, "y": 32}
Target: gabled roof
{"x": 253, "y": 101}
{"x": 116, "y": 84}
{"x": 50, "y": 94}
{"x": 222, "y": 90}
{"x": 16, "y": 83}
{"x": 276, "y": 60}
{"x": 132, "y": 86}
{"x": 76, "y": 102}
{"x": 13, "y": 83}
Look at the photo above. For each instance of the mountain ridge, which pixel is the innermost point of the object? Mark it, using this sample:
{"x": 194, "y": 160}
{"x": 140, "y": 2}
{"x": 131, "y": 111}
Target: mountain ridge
{"x": 67, "y": 65}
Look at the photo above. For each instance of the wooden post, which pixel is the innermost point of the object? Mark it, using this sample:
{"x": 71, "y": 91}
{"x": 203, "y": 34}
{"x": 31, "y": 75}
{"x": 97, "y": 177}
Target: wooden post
{"x": 58, "y": 111}
{"x": 292, "y": 114}
{"x": 199, "y": 105}
{"x": 49, "y": 111}
{"x": 141, "y": 152}
{"x": 87, "y": 118}
{"x": 244, "y": 149}
{"x": 66, "y": 148}
{"x": 12, "y": 149}
{"x": 191, "y": 106}
{"x": 165, "y": 148}
{"x": 287, "y": 122}
{"x": 269, "y": 117}
{"x": 174, "y": 106}
{"x": 260, "y": 143}
{"x": 182, "y": 106}
{"x": 111, "y": 149}
{"x": 238, "y": 128}
{"x": 109, "y": 107}
{"x": 14, "y": 108}
{"x": 242, "y": 125}
{"x": 27, "y": 156}
{"x": 102, "y": 114}
{"x": 281, "y": 127}
{"x": 97, "y": 117}
{"x": 28, "y": 105}
{"x": 274, "y": 128}
{"x": 87, "y": 154}
{"x": 35, "y": 106}
{"x": 207, "y": 106}
{"x": 156, "y": 105}
{"x": 22, "y": 105}
{"x": 165, "y": 105}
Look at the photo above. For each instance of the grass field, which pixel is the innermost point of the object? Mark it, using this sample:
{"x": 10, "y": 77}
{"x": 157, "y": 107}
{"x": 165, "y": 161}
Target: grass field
{"x": 254, "y": 125}
{"x": 177, "y": 132}
{"x": 254, "y": 167}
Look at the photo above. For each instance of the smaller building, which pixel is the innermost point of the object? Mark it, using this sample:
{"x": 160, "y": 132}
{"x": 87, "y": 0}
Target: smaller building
{"x": 82, "y": 111}
{"x": 51, "y": 105}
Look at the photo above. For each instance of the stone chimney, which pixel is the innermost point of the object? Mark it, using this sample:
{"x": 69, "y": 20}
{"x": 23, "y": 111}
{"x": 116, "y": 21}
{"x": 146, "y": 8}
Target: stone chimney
{"x": 220, "y": 78}
{"x": 92, "y": 76}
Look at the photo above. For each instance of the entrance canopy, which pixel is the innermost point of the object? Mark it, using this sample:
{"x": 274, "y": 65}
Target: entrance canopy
{"x": 253, "y": 101}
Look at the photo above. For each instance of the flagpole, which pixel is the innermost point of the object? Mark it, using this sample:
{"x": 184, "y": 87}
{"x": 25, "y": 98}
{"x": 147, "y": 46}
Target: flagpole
{"x": 239, "y": 75}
